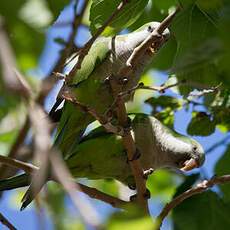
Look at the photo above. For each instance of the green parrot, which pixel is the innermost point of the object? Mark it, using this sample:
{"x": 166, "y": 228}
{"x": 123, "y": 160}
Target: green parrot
{"x": 101, "y": 155}
{"x": 90, "y": 86}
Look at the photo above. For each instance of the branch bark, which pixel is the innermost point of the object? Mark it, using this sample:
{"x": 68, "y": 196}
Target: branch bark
{"x": 6, "y": 222}
{"x": 47, "y": 84}
{"x": 127, "y": 139}
{"x": 84, "y": 51}
{"x": 91, "y": 192}
{"x": 199, "y": 188}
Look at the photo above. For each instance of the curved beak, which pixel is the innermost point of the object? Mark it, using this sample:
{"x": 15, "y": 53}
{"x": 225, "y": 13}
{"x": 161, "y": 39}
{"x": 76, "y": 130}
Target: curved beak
{"x": 190, "y": 164}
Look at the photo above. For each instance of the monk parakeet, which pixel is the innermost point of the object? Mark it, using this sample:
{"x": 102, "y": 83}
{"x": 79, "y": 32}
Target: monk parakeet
{"x": 105, "y": 59}
{"x": 101, "y": 155}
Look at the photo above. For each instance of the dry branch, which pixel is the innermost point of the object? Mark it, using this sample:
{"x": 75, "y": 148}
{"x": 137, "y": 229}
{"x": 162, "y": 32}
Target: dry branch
{"x": 91, "y": 192}
{"x": 128, "y": 142}
{"x": 199, "y": 188}
{"x": 47, "y": 83}
{"x": 6, "y": 222}
{"x": 63, "y": 176}
{"x": 84, "y": 51}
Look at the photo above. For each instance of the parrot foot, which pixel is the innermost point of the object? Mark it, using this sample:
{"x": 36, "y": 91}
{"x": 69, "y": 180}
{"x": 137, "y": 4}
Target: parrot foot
{"x": 56, "y": 115}
{"x": 147, "y": 173}
{"x": 123, "y": 81}
{"x": 146, "y": 195}
{"x": 136, "y": 156}
{"x": 128, "y": 126}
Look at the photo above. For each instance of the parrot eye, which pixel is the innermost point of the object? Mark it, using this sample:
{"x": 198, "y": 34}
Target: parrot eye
{"x": 194, "y": 149}
{"x": 150, "y": 29}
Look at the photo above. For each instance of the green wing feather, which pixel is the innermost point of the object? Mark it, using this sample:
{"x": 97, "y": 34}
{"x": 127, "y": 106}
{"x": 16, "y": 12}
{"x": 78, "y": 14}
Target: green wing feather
{"x": 96, "y": 55}
{"x": 73, "y": 122}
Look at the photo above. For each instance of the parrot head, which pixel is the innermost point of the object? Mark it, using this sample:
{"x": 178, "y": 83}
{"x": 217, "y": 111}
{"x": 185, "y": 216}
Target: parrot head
{"x": 134, "y": 39}
{"x": 189, "y": 156}
{"x": 148, "y": 28}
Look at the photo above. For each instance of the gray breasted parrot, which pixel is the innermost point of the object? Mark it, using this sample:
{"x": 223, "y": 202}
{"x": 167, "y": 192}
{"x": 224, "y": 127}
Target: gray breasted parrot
{"x": 101, "y": 155}
{"x": 105, "y": 59}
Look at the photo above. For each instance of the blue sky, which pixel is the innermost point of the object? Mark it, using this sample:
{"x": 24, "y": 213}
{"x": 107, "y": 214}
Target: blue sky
{"x": 28, "y": 218}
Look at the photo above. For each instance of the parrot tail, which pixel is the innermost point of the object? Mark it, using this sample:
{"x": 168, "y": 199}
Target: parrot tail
{"x": 15, "y": 182}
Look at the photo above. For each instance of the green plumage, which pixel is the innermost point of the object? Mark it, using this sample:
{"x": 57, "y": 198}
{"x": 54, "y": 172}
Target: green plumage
{"x": 105, "y": 58}
{"x": 101, "y": 155}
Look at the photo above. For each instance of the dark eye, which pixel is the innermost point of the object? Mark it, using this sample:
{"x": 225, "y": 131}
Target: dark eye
{"x": 150, "y": 29}
{"x": 194, "y": 149}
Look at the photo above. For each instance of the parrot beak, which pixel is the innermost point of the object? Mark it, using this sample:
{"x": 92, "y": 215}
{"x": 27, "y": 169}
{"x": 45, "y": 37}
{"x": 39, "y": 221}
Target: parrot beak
{"x": 190, "y": 164}
{"x": 156, "y": 46}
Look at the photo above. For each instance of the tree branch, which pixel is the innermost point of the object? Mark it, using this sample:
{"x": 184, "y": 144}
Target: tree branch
{"x": 91, "y": 192}
{"x": 47, "y": 85}
{"x": 84, "y": 51}
{"x": 130, "y": 148}
{"x": 28, "y": 168}
{"x": 6, "y": 222}
{"x": 128, "y": 142}
{"x": 104, "y": 120}
{"x": 199, "y": 188}
{"x": 153, "y": 38}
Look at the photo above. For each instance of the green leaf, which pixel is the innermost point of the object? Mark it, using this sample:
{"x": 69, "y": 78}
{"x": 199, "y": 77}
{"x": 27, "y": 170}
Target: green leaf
{"x": 162, "y": 184}
{"x": 6, "y": 140}
{"x": 198, "y": 47}
{"x": 57, "y": 6}
{"x": 222, "y": 168}
{"x": 222, "y": 118}
{"x": 163, "y": 102}
{"x": 203, "y": 211}
{"x": 165, "y": 56}
{"x": 201, "y": 125}
{"x": 187, "y": 184}
{"x": 163, "y": 108}
{"x": 164, "y": 5}
{"x": 133, "y": 219}
{"x": 101, "y": 10}
{"x": 108, "y": 186}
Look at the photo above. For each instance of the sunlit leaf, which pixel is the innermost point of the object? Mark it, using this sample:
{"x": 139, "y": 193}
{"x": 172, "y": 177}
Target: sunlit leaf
{"x": 201, "y": 125}
{"x": 203, "y": 211}
{"x": 222, "y": 168}
{"x": 101, "y": 10}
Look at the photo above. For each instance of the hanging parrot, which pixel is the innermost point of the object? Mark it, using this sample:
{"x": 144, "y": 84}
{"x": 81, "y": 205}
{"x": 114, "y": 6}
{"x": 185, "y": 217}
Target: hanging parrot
{"x": 101, "y": 155}
{"x": 90, "y": 87}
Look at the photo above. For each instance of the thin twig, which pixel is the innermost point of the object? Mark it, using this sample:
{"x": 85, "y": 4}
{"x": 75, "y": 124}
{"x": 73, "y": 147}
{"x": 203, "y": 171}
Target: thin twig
{"x": 27, "y": 167}
{"x": 61, "y": 173}
{"x": 8, "y": 64}
{"x": 96, "y": 194}
{"x": 91, "y": 192}
{"x": 6, "y": 222}
{"x": 199, "y": 188}
{"x": 130, "y": 148}
{"x": 47, "y": 85}
{"x": 222, "y": 142}
{"x": 4, "y": 172}
{"x": 154, "y": 38}
{"x": 84, "y": 51}
{"x": 104, "y": 120}
{"x": 50, "y": 80}
{"x": 128, "y": 142}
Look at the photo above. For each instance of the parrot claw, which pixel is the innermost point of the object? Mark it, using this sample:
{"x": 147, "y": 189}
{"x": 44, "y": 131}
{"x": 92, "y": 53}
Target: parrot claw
{"x": 146, "y": 195}
{"x": 136, "y": 156}
{"x": 133, "y": 197}
{"x": 128, "y": 127}
{"x": 56, "y": 115}
{"x": 147, "y": 173}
